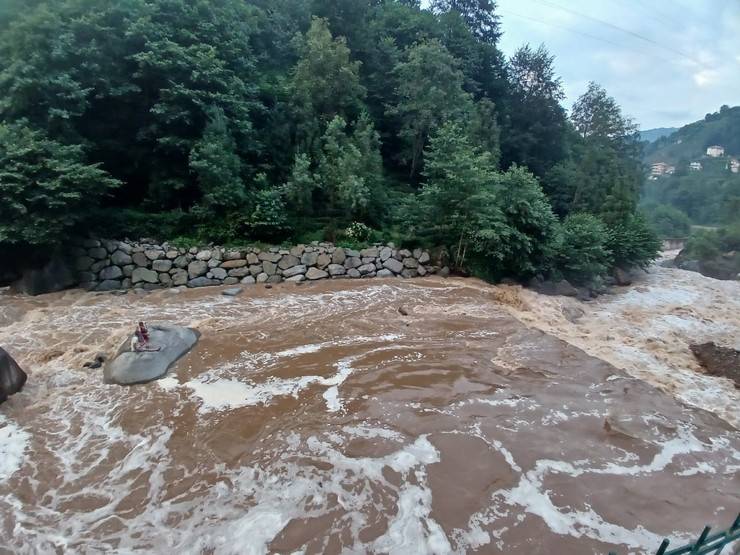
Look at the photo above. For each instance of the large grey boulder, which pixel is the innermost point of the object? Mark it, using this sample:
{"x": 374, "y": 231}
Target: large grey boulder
{"x": 294, "y": 271}
{"x": 111, "y": 272}
{"x": 12, "y": 377}
{"x": 315, "y": 273}
{"x": 129, "y": 367}
{"x": 197, "y": 268}
{"x": 288, "y": 261}
{"x": 395, "y": 266}
{"x": 55, "y": 275}
{"x": 120, "y": 258}
{"x": 203, "y": 282}
{"x": 142, "y": 274}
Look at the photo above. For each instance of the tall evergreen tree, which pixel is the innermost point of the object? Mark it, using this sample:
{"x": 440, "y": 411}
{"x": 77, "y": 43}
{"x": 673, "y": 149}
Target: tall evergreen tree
{"x": 429, "y": 91}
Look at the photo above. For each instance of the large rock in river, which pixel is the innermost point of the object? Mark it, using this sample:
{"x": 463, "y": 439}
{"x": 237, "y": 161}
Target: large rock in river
{"x": 131, "y": 367}
{"x": 12, "y": 377}
{"x": 55, "y": 275}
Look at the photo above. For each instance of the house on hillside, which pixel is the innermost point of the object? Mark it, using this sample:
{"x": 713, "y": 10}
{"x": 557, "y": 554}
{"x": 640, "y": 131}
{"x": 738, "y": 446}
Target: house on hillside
{"x": 734, "y": 165}
{"x": 695, "y": 166}
{"x": 661, "y": 168}
{"x": 715, "y": 151}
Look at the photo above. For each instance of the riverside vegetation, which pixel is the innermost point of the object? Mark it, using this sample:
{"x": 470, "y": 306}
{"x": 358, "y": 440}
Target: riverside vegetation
{"x": 293, "y": 121}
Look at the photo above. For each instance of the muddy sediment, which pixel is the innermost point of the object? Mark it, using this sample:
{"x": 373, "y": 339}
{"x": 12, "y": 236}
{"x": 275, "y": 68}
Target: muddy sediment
{"x": 323, "y": 419}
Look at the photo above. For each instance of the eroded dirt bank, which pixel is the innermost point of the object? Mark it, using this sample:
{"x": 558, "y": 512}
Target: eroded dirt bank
{"x": 318, "y": 419}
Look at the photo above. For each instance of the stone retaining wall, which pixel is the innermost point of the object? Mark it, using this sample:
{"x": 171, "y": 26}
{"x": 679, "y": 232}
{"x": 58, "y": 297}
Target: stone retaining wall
{"x": 104, "y": 265}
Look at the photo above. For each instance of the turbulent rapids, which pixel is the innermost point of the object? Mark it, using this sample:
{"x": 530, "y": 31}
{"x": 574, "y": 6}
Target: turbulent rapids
{"x": 320, "y": 419}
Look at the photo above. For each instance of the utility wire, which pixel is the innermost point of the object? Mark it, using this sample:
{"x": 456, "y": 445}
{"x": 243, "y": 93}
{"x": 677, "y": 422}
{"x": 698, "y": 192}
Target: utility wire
{"x": 581, "y": 33}
{"x": 618, "y": 28}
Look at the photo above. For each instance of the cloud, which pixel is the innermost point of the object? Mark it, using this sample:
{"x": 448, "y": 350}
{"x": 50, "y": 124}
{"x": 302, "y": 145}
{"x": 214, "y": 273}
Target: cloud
{"x": 706, "y": 77}
{"x": 665, "y": 68}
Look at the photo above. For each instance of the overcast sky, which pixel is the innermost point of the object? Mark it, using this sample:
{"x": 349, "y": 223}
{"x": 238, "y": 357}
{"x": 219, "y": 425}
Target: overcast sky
{"x": 686, "y": 64}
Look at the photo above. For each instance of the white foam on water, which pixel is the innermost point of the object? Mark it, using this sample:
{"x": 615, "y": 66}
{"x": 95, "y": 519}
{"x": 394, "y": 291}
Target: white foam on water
{"x": 13, "y": 444}
{"x": 218, "y": 393}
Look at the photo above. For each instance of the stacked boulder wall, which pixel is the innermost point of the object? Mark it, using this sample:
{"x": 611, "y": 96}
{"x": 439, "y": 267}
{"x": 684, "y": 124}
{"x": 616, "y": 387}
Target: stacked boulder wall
{"x": 132, "y": 367}
{"x": 12, "y": 378}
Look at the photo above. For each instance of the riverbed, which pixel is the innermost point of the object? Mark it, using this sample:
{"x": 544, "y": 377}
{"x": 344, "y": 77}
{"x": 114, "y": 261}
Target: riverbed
{"x": 321, "y": 419}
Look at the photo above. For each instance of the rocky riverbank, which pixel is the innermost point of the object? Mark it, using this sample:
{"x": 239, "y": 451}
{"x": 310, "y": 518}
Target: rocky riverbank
{"x": 104, "y": 265}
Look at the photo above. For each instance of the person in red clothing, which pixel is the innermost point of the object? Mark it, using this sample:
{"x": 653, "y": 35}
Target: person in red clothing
{"x": 140, "y": 341}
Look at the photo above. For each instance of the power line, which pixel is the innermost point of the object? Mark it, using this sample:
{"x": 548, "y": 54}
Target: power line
{"x": 577, "y": 32}
{"x": 618, "y": 28}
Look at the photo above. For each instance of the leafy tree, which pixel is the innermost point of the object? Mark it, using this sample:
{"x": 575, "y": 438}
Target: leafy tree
{"x": 349, "y": 167}
{"x": 133, "y": 79}
{"x": 479, "y": 15}
{"x": 633, "y": 243}
{"x": 536, "y": 125}
{"x": 324, "y": 83}
{"x": 668, "y": 222}
{"x": 530, "y": 221}
{"x": 429, "y": 92}
{"x": 457, "y": 207}
{"x": 582, "y": 251}
{"x": 46, "y": 187}
{"x": 301, "y": 185}
{"x": 484, "y": 130}
{"x": 218, "y": 168}
{"x": 268, "y": 219}
{"x": 596, "y": 115}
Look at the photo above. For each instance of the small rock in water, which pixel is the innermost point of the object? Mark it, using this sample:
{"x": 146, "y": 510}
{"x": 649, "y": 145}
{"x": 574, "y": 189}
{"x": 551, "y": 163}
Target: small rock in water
{"x": 402, "y": 311}
{"x": 268, "y": 286}
{"x": 231, "y": 291}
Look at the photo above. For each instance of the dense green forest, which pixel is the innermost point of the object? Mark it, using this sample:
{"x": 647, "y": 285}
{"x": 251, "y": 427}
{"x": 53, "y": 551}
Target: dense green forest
{"x": 297, "y": 120}
{"x": 709, "y": 197}
{"x": 690, "y": 142}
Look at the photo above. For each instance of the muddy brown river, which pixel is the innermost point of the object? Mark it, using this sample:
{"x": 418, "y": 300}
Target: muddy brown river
{"x": 319, "y": 419}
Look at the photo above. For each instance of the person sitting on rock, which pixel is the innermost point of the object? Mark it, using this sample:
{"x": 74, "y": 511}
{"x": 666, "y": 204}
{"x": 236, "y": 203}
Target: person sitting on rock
{"x": 140, "y": 340}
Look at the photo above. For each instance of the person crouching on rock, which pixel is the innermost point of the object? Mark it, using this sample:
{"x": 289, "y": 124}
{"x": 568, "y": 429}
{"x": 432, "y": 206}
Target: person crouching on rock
{"x": 140, "y": 340}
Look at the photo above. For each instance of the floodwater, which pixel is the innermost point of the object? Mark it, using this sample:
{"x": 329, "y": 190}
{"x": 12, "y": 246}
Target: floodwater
{"x": 319, "y": 419}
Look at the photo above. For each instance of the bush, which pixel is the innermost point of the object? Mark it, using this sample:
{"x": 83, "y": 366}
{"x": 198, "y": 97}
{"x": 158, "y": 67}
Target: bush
{"x": 668, "y": 222}
{"x": 46, "y": 187}
{"x": 703, "y": 244}
{"x": 633, "y": 243}
{"x": 581, "y": 251}
{"x": 729, "y": 237}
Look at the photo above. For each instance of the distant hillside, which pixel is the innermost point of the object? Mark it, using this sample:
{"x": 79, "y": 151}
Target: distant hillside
{"x": 652, "y": 135}
{"x": 690, "y": 142}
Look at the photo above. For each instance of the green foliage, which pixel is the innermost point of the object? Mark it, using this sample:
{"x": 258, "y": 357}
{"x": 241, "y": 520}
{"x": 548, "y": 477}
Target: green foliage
{"x": 300, "y": 186}
{"x": 707, "y": 198}
{"x": 269, "y": 219}
{"x": 582, "y": 248}
{"x": 668, "y": 222}
{"x": 324, "y": 83}
{"x": 46, "y": 187}
{"x": 633, "y": 242}
{"x": 217, "y": 166}
{"x": 691, "y": 141}
{"x": 703, "y": 244}
{"x": 456, "y": 205}
{"x": 429, "y": 92}
{"x": 530, "y": 223}
{"x": 536, "y": 124}
{"x": 233, "y": 121}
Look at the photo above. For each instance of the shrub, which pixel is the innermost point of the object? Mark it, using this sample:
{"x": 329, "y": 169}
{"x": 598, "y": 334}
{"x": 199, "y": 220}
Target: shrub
{"x": 703, "y": 244}
{"x": 46, "y": 187}
{"x": 633, "y": 243}
{"x": 581, "y": 251}
{"x": 669, "y": 222}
